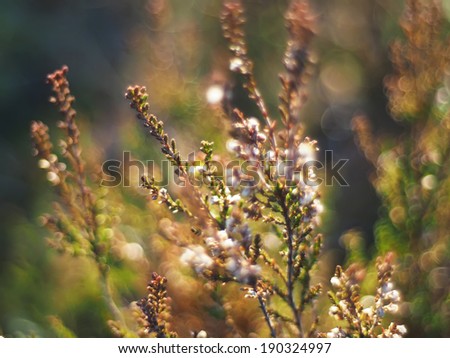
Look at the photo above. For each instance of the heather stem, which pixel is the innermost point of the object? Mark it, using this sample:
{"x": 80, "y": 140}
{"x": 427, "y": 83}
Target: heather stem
{"x": 107, "y": 296}
{"x": 290, "y": 268}
{"x": 267, "y": 317}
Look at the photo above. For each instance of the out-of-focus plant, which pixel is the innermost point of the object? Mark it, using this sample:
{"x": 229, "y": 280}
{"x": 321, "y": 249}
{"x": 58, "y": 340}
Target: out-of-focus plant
{"x": 82, "y": 222}
{"x": 412, "y": 176}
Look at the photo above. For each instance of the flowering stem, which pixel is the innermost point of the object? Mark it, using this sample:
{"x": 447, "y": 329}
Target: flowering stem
{"x": 256, "y": 96}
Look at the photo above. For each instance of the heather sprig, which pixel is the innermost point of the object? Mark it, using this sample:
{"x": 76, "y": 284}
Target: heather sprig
{"x": 82, "y": 223}
{"x": 155, "y": 309}
{"x": 358, "y": 318}
{"x": 233, "y": 19}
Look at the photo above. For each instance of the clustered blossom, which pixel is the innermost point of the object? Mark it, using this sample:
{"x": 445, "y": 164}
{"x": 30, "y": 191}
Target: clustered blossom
{"x": 289, "y": 165}
{"x": 222, "y": 258}
{"x": 347, "y": 307}
{"x": 249, "y": 138}
{"x": 196, "y": 257}
{"x": 337, "y": 332}
{"x": 388, "y": 299}
{"x": 394, "y": 331}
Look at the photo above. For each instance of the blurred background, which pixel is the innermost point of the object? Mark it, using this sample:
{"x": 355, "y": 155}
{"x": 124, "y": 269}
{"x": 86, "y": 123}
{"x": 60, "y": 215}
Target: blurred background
{"x": 175, "y": 48}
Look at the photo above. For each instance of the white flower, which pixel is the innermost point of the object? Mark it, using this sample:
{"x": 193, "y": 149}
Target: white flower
{"x": 333, "y": 310}
{"x": 247, "y": 272}
{"x": 52, "y": 158}
{"x": 402, "y": 329}
{"x": 391, "y": 307}
{"x": 253, "y": 124}
{"x": 202, "y": 334}
{"x": 261, "y": 137}
{"x": 196, "y": 170}
{"x": 53, "y": 178}
{"x": 311, "y": 176}
{"x": 306, "y": 151}
{"x": 368, "y": 311}
{"x": 234, "y": 199}
{"x": 214, "y": 199}
{"x": 187, "y": 256}
{"x": 196, "y": 257}
{"x": 343, "y": 305}
{"x": 335, "y": 282}
{"x": 393, "y": 295}
{"x": 236, "y": 64}
{"x": 227, "y": 244}
{"x": 388, "y": 286}
{"x": 61, "y": 166}
{"x": 308, "y": 197}
{"x": 270, "y": 155}
{"x": 230, "y": 224}
{"x": 43, "y": 164}
{"x": 222, "y": 235}
{"x": 318, "y": 206}
{"x": 210, "y": 241}
{"x": 251, "y": 293}
{"x": 231, "y": 265}
{"x": 316, "y": 221}
{"x": 233, "y": 145}
{"x": 335, "y": 333}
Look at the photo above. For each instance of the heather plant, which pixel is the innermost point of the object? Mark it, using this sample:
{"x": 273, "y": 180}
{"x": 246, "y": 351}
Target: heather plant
{"x": 223, "y": 218}
{"x": 411, "y": 174}
{"x": 82, "y": 223}
{"x": 224, "y": 248}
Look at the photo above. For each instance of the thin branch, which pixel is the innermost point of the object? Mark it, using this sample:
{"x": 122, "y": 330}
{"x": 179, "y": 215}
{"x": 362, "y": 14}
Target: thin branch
{"x": 262, "y": 304}
{"x": 290, "y": 266}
